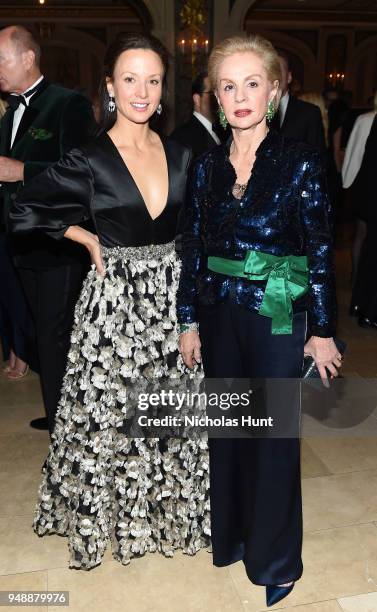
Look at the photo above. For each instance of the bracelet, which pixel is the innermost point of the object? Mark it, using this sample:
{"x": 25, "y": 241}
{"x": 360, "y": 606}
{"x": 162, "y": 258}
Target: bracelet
{"x": 187, "y": 327}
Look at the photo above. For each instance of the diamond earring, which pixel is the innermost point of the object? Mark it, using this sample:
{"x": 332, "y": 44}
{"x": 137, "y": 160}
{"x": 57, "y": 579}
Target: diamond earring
{"x": 111, "y": 106}
{"x": 159, "y": 109}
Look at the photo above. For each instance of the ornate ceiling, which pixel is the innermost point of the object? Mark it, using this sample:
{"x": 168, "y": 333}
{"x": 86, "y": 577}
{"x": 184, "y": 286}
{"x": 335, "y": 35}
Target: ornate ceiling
{"x": 78, "y": 3}
{"x": 108, "y": 10}
{"x": 338, "y": 5}
{"x": 317, "y": 5}
{"x": 320, "y": 11}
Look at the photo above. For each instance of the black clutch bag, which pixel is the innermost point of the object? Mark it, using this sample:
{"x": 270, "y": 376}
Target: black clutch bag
{"x": 309, "y": 368}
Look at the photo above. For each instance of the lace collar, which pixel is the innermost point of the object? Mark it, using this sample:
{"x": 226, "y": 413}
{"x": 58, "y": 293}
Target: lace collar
{"x": 223, "y": 173}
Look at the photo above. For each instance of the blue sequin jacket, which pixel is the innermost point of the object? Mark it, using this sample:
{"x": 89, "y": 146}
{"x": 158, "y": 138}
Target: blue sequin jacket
{"x": 284, "y": 211}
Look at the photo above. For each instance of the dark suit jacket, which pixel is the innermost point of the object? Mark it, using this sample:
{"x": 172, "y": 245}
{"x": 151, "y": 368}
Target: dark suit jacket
{"x": 56, "y": 120}
{"x": 194, "y": 135}
{"x": 303, "y": 122}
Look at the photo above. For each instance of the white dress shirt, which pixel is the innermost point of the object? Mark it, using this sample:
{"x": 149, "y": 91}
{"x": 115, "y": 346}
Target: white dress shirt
{"x": 18, "y": 114}
{"x": 283, "y": 107}
{"x": 208, "y": 126}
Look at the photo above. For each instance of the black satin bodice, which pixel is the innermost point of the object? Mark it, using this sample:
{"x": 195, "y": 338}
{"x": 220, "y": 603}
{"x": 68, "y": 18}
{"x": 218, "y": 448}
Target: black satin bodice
{"x": 93, "y": 182}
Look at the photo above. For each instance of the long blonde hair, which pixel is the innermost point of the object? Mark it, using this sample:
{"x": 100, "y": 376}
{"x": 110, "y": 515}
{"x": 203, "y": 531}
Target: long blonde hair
{"x": 317, "y": 100}
{"x": 240, "y": 44}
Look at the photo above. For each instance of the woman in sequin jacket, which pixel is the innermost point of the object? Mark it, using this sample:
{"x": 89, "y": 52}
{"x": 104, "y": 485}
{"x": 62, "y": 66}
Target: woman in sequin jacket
{"x": 257, "y": 279}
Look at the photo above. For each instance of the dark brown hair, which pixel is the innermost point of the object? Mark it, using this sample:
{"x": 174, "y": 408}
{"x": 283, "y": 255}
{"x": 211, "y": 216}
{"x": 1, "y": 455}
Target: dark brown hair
{"x": 125, "y": 42}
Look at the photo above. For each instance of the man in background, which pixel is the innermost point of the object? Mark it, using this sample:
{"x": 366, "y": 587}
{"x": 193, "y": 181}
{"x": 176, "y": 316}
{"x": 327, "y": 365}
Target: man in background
{"x": 43, "y": 121}
{"x": 197, "y": 133}
{"x": 295, "y": 118}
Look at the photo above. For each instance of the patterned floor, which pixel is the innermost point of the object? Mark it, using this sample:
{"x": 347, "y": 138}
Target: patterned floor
{"x": 340, "y": 519}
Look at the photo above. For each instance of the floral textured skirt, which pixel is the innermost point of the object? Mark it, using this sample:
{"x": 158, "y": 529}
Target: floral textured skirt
{"x": 100, "y": 484}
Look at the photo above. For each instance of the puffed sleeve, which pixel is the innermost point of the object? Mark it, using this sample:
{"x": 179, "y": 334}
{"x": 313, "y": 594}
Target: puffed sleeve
{"x": 56, "y": 198}
{"x": 317, "y": 225}
{"x": 192, "y": 247}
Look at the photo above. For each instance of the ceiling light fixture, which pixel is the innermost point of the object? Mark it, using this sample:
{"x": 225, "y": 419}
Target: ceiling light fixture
{"x": 193, "y": 18}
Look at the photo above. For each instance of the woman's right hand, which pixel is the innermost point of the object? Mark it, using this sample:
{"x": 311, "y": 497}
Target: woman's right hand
{"x": 94, "y": 249}
{"x": 91, "y": 242}
{"x": 189, "y": 347}
{"x": 326, "y": 356}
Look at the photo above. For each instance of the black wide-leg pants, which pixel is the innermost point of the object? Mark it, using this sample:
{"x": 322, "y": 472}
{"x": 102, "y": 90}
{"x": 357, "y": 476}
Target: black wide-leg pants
{"x": 255, "y": 483}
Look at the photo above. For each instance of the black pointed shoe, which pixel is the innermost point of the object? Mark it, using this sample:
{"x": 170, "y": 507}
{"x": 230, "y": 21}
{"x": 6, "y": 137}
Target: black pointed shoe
{"x": 276, "y": 593}
{"x": 41, "y": 423}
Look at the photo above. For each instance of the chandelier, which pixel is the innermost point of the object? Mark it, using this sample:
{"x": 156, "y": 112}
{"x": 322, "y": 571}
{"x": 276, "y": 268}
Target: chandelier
{"x": 193, "y": 18}
{"x": 336, "y": 78}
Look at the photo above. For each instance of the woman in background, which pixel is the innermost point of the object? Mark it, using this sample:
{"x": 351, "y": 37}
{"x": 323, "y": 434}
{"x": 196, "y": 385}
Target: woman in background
{"x": 360, "y": 165}
{"x": 355, "y": 182}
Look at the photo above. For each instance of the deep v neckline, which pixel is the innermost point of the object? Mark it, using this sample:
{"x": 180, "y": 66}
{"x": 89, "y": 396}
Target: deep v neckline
{"x": 134, "y": 181}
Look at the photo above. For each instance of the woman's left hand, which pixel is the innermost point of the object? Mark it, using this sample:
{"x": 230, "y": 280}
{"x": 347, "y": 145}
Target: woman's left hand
{"x": 325, "y": 355}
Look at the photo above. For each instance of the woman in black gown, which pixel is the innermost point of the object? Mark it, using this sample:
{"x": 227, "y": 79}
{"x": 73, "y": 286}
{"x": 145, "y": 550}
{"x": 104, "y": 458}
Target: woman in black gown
{"x": 257, "y": 271}
{"x": 99, "y": 483}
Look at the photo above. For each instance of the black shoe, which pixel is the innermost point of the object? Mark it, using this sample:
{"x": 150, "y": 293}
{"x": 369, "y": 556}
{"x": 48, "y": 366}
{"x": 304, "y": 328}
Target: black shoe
{"x": 41, "y": 423}
{"x": 277, "y": 593}
{"x": 354, "y": 310}
{"x": 367, "y": 323}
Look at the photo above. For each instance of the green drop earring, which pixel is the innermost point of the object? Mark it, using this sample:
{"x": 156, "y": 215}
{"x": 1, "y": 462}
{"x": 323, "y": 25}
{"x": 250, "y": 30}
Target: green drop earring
{"x": 270, "y": 111}
{"x": 222, "y": 118}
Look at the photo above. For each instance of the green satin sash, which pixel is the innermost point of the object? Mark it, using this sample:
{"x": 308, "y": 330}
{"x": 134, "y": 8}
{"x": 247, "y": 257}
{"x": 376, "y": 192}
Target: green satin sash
{"x": 287, "y": 280}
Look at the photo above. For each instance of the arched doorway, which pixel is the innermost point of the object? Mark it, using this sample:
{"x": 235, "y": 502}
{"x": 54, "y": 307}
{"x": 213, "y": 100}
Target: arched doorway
{"x": 237, "y": 17}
